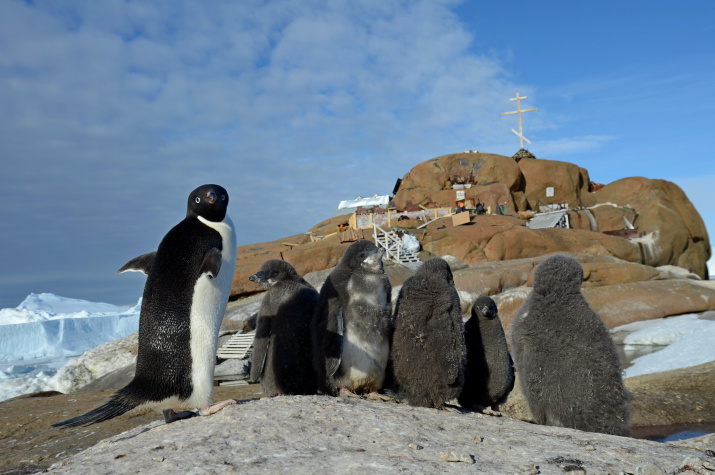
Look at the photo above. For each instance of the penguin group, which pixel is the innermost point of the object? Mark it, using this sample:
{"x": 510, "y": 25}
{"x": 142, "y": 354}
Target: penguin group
{"x": 421, "y": 353}
{"x": 345, "y": 339}
{"x": 424, "y": 354}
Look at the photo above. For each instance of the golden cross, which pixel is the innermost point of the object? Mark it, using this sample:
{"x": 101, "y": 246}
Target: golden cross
{"x": 519, "y": 111}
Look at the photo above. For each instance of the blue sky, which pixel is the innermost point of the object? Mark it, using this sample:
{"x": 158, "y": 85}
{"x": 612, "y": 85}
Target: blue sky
{"x": 113, "y": 111}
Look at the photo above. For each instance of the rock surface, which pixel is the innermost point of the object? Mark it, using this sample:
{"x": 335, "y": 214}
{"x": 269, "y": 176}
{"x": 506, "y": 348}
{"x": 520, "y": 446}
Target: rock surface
{"x": 29, "y": 443}
{"x": 679, "y": 396}
{"x": 669, "y": 231}
{"x": 320, "y": 434}
{"x": 97, "y": 362}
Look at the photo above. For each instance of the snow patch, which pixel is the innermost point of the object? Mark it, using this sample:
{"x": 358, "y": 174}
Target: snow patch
{"x": 687, "y": 340}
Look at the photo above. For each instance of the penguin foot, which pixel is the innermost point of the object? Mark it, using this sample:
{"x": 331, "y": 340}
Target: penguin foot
{"x": 214, "y": 408}
{"x": 348, "y": 393}
{"x": 171, "y": 416}
{"x": 486, "y": 410}
{"x": 375, "y": 396}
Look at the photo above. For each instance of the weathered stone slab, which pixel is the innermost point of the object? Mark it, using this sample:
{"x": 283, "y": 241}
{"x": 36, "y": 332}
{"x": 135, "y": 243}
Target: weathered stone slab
{"x": 320, "y": 434}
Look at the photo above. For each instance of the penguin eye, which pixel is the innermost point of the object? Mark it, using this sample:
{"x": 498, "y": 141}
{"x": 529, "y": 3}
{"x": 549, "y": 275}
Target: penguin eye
{"x": 198, "y": 200}
{"x": 223, "y": 197}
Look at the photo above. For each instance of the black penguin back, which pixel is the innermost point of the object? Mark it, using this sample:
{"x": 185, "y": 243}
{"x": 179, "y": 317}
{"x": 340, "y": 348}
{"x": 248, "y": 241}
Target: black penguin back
{"x": 489, "y": 374}
{"x": 428, "y": 351}
{"x": 283, "y": 353}
{"x": 568, "y": 365}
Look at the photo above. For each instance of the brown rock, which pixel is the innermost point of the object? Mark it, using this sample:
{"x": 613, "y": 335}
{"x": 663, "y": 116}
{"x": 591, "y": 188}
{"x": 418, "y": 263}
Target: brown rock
{"x": 630, "y": 302}
{"x": 495, "y": 277}
{"x": 568, "y": 180}
{"x": 29, "y": 442}
{"x": 501, "y": 238}
{"x": 602, "y": 218}
{"x": 425, "y": 181}
{"x": 663, "y": 211}
{"x": 302, "y": 254}
{"x": 673, "y": 232}
{"x": 636, "y": 301}
{"x": 674, "y": 397}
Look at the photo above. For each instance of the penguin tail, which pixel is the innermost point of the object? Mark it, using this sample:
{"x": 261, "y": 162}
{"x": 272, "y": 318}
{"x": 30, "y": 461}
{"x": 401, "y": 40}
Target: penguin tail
{"x": 117, "y": 405}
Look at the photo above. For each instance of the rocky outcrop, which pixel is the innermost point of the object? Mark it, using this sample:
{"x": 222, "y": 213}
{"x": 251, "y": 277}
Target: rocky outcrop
{"x": 570, "y": 183}
{"x": 667, "y": 228}
{"x": 671, "y": 231}
{"x": 320, "y": 434}
{"x": 674, "y": 397}
{"x": 675, "y": 231}
{"x": 29, "y": 444}
{"x": 95, "y": 363}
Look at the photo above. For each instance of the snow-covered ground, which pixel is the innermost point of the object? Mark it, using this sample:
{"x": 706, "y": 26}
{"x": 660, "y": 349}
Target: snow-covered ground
{"x": 686, "y": 340}
{"x": 45, "y": 331}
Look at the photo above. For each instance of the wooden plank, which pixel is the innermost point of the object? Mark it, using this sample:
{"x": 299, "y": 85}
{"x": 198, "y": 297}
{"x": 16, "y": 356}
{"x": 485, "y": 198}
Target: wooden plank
{"x": 238, "y": 346}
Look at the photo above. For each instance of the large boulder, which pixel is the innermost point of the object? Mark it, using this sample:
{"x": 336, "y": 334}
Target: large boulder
{"x": 669, "y": 231}
{"x": 674, "y": 397}
{"x": 570, "y": 183}
{"x": 675, "y": 232}
{"x": 492, "y": 179}
{"x": 500, "y": 238}
{"x": 495, "y": 277}
{"x": 620, "y": 304}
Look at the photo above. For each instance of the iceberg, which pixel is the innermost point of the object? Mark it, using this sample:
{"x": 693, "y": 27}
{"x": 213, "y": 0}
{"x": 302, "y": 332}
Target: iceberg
{"x": 50, "y": 326}
{"x": 38, "y": 337}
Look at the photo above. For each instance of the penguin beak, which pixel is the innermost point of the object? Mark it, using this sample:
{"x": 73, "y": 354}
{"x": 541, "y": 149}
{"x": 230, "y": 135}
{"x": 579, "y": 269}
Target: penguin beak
{"x": 253, "y": 278}
{"x": 211, "y": 197}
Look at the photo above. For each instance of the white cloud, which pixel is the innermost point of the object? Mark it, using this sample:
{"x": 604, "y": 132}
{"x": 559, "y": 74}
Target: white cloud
{"x": 114, "y": 111}
{"x": 549, "y": 149}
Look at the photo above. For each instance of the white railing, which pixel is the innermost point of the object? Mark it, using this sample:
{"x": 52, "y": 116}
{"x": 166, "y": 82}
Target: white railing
{"x": 388, "y": 236}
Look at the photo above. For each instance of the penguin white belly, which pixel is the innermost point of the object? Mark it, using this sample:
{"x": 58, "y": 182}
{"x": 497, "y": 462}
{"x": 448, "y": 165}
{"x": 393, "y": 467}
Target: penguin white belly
{"x": 208, "y": 306}
{"x": 364, "y": 361}
{"x": 376, "y": 298}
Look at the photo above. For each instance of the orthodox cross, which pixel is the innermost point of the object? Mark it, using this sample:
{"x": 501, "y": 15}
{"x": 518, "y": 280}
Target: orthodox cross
{"x": 519, "y": 110}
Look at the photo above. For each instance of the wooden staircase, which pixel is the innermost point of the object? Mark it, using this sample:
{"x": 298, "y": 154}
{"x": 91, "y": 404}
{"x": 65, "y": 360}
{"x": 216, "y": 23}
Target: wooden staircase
{"x": 394, "y": 249}
{"x": 238, "y": 346}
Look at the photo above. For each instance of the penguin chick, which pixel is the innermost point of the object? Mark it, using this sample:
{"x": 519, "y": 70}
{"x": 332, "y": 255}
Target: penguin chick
{"x": 282, "y": 353}
{"x": 567, "y": 363}
{"x": 188, "y": 283}
{"x": 489, "y": 375}
{"x": 428, "y": 351}
{"x": 351, "y": 324}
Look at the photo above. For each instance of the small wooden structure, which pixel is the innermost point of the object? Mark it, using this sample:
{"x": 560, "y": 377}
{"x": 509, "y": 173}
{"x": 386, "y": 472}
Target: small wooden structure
{"x": 390, "y": 217}
{"x": 519, "y": 110}
{"x": 238, "y": 346}
{"x": 394, "y": 248}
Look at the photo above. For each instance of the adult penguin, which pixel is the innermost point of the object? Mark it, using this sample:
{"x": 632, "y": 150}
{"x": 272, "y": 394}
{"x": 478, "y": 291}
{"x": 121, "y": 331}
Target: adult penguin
{"x": 188, "y": 283}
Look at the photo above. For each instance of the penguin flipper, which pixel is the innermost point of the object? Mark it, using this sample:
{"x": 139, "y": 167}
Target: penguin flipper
{"x": 141, "y": 264}
{"x": 339, "y": 341}
{"x": 212, "y": 263}
{"x": 116, "y": 406}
